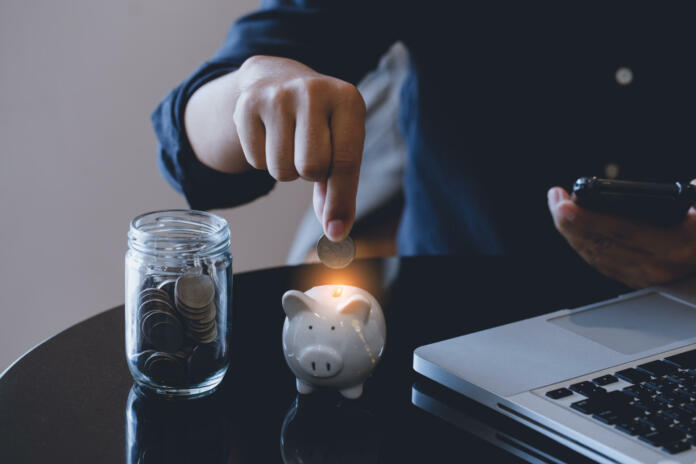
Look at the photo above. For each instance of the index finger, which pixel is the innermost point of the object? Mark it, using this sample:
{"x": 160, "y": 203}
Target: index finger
{"x": 347, "y": 138}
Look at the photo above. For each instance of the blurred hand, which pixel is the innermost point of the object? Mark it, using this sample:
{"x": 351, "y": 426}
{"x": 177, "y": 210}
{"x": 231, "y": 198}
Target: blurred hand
{"x": 639, "y": 255}
{"x": 281, "y": 116}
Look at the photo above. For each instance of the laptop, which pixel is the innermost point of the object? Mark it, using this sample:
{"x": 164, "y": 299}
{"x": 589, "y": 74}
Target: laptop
{"x": 614, "y": 381}
{"x": 491, "y": 437}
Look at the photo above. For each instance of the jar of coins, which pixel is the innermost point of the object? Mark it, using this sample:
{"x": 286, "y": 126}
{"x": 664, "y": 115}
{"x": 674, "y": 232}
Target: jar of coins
{"x": 178, "y": 297}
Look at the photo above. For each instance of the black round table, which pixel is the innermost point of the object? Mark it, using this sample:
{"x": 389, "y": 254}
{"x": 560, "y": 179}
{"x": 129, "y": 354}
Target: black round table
{"x": 71, "y": 399}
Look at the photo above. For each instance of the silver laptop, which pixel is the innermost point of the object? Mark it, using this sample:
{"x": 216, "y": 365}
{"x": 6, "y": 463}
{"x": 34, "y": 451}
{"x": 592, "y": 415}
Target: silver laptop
{"x": 615, "y": 381}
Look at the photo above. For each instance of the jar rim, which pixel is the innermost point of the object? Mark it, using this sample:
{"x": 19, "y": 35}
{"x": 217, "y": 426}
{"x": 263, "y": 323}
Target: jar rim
{"x": 179, "y": 232}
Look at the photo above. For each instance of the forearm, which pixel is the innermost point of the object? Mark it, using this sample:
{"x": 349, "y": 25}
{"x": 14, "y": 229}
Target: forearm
{"x": 210, "y": 127}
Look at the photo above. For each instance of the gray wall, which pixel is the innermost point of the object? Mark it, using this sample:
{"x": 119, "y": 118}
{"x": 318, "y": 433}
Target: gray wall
{"x": 78, "y": 80}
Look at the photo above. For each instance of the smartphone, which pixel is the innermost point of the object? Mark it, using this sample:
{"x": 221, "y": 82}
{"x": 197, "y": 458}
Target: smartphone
{"x": 664, "y": 204}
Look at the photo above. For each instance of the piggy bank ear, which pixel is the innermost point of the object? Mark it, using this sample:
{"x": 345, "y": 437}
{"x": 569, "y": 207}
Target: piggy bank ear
{"x": 294, "y": 302}
{"x": 358, "y": 306}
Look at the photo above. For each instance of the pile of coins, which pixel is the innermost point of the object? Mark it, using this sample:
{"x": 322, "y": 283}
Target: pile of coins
{"x": 177, "y": 320}
{"x": 195, "y": 302}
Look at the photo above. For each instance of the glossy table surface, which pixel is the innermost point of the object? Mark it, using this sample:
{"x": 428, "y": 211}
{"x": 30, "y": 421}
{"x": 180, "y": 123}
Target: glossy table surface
{"x": 71, "y": 399}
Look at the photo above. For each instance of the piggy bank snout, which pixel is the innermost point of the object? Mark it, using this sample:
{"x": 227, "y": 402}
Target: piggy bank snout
{"x": 320, "y": 361}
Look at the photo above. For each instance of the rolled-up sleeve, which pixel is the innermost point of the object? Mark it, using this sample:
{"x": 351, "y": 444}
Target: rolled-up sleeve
{"x": 344, "y": 41}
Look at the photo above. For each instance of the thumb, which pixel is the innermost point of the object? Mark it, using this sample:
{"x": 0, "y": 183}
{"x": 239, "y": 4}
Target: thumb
{"x": 560, "y": 208}
{"x": 556, "y": 195}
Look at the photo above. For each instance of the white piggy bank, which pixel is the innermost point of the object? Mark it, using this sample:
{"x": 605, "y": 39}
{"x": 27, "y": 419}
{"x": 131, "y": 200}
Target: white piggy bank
{"x": 333, "y": 336}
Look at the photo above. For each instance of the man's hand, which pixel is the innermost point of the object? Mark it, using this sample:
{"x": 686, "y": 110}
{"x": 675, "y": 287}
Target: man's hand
{"x": 639, "y": 255}
{"x": 279, "y": 115}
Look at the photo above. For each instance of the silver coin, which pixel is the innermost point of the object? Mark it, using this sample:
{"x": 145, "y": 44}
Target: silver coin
{"x": 336, "y": 255}
{"x": 194, "y": 291}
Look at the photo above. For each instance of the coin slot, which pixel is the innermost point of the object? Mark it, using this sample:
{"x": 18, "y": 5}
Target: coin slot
{"x": 328, "y": 367}
{"x": 314, "y": 366}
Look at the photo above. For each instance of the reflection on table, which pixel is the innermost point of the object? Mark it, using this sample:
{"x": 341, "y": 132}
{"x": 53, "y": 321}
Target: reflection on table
{"x": 176, "y": 431}
{"x": 325, "y": 428}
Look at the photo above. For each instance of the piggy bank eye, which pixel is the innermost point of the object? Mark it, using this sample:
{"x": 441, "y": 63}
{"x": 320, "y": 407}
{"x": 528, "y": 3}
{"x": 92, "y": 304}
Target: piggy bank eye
{"x": 310, "y": 327}
{"x": 333, "y": 327}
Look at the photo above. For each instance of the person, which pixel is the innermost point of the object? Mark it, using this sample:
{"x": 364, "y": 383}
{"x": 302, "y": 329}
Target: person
{"x": 504, "y": 102}
{"x": 379, "y": 202}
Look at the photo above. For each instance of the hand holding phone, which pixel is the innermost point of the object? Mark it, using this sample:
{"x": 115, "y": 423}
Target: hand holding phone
{"x": 664, "y": 204}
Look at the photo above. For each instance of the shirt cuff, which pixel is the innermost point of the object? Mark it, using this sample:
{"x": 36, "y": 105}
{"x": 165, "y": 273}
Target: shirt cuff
{"x": 203, "y": 187}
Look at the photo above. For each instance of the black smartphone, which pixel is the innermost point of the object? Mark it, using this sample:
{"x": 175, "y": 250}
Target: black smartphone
{"x": 664, "y": 204}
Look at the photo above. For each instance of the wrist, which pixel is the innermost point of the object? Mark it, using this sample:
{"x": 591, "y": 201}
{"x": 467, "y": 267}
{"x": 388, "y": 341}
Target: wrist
{"x": 210, "y": 128}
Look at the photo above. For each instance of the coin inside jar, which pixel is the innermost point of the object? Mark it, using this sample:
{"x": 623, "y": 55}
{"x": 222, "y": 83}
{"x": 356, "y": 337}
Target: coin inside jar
{"x": 336, "y": 255}
{"x": 194, "y": 291}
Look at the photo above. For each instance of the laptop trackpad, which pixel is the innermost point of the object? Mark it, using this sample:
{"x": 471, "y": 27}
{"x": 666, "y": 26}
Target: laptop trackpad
{"x": 634, "y": 325}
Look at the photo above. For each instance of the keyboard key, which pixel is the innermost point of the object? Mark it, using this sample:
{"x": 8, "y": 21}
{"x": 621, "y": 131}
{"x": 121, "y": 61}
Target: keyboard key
{"x": 656, "y": 421}
{"x": 638, "y": 391}
{"x": 586, "y": 406}
{"x": 685, "y": 360}
{"x": 676, "y": 447}
{"x": 633, "y": 427}
{"x": 558, "y": 393}
{"x": 679, "y": 379}
{"x": 652, "y": 406}
{"x": 687, "y": 428}
{"x": 627, "y": 412}
{"x": 608, "y": 417}
{"x": 666, "y": 385}
{"x": 677, "y": 414}
{"x": 632, "y": 376}
{"x": 605, "y": 380}
{"x": 652, "y": 386}
{"x": 690, "y": 407}
{"x": 684, "y": 415}
{"x": 666, "y": 400}
{"x": 660, "y": 385}
{"x": 614, "y": 398}
{"x": 587, "y": 388}
{"x": 657, "y": 368}
{"x": 680, "y": 395}
{"x": 662, "y": 437}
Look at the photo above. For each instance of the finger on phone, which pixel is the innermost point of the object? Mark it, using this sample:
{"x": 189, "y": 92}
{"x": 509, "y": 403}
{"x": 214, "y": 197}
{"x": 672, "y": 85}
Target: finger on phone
{"x": 574, "y": 220}
{"x": 561, "y": 206}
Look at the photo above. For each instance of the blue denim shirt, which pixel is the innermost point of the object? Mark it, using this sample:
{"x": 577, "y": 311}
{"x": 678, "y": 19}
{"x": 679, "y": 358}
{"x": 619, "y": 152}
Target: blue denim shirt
{"x": 503, "y": 101}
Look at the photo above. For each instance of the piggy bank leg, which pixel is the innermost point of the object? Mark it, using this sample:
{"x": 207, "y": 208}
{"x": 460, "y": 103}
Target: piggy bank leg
{"x": 303, "y": 387}
{"x": 352, "y": 393}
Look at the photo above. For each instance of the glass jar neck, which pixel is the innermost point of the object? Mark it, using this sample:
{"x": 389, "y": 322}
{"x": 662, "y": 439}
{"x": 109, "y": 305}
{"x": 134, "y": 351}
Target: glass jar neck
{"x": 179, "y": 234}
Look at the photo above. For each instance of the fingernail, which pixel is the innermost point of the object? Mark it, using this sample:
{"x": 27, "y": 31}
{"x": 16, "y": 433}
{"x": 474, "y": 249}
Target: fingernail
{"x": 335, "y": 229}
{"x": 554, "y": 195}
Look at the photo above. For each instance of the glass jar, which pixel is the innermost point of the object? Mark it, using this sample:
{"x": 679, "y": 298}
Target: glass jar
{"x": 178, "y": 298}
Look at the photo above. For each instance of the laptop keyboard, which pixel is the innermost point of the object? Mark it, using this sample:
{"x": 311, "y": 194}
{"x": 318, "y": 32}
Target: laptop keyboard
{"x": 658, "y": 408}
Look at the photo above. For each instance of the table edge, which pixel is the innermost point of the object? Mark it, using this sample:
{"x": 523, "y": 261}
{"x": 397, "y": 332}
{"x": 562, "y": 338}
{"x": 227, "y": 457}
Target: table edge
{"x": 50, "y": 337}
